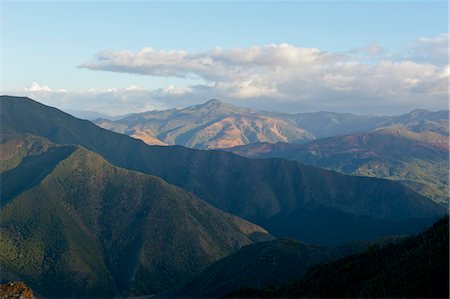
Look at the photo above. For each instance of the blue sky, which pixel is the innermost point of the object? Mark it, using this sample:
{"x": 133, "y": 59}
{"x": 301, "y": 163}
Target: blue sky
{"x": 46, "y": 42}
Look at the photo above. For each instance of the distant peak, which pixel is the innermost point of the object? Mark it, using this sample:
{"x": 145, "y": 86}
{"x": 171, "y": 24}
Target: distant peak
{"x": 217, "y": 107}
{"x": 213, "y": 102}
{"x": 418, "y": 111}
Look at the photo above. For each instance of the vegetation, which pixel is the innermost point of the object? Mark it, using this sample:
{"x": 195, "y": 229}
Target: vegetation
{"x": 265, "y": 265}
{"x": 75, "y": 224}
{"x": 268, "y": 192}
{"x": 415, "y": 268}
{"x": 14, "y": 148}
{"x": 89, "y": 229}
{"x": 418, "y": 160}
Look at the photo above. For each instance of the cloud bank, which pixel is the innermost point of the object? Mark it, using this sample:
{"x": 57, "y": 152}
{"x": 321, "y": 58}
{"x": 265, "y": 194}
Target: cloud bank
{"x": 282, "y": 77}
{"x": 111, "y": 101}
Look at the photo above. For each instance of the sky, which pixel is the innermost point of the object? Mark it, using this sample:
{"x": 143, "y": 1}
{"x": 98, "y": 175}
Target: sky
{"x": 117, "y": 57}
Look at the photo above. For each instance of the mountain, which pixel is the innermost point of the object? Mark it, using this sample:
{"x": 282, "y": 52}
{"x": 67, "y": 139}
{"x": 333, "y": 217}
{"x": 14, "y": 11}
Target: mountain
{"x": 207, "y": 126}
{"x": 215, "y": 125}
{"x": 81, "y": 227}
{"x": 415, "y": 268}
{"x": 285, "y": 197}
{"x": 263, "y": 265}
{"x": 416, "y": 156}
{"x": 328, "y": 124}
{"x": 424, "y": 120}
{"x": 14, "y": 148}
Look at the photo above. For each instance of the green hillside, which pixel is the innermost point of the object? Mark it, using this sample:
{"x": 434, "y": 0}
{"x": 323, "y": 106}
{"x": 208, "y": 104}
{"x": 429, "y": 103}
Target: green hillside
{"x": 417, "y": 159}
{"x": 271, "y": 192}
{"x": 90, "y": 229}
{"x": 265, "y": 264}
{"x": 415, "y": 268}
{"x": 15, "y": 147}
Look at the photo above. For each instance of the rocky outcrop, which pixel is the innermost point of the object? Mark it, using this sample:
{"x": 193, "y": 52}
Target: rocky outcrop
{"x": 15, "y": 290}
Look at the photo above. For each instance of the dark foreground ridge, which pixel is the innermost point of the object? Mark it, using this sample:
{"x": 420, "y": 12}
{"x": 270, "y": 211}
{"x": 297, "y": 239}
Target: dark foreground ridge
{"x": 267, "y": 264}
{"x": 416, "y": 268}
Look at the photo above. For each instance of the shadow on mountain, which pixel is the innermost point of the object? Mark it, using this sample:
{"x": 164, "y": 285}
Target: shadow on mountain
{"x": 31, "y": 171}
{"x": 415, "y": 268}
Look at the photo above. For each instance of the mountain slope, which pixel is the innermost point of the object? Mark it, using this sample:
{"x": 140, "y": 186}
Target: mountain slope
{"x": 415, "y": 268}
{"x": 418, "y": 159}
{"x": 14, "y": 147}
{"x": 264, "y": 264}
{"x": 271, "y": 193}
{"x": 328, "y": 124}
{"x": 215, "y": 125}
{"x": 90, "y": 229}
{"x": 210, "y": 125}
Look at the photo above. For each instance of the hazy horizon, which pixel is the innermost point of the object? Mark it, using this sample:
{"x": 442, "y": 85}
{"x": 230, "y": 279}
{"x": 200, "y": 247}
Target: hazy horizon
{"x": 95, "y": 114}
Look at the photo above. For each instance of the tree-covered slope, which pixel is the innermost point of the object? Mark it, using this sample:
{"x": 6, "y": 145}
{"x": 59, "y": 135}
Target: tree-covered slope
{"x": 90, "y": 229}
{"x": 268, "y": 192}
{"x": 415, "y": 268}
{"x": 417, "y": 159}
{"x": 36, "y": 157}
{"x": 265, "y": 265}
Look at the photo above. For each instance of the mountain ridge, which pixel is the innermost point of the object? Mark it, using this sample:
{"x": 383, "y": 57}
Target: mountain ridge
{"x": 89, "y": 228}
{"x": 266, "y": 264}
{"x": 215, "y": 124}
{"x": 414, "y": 268}
{"x": 416, "y": 157}
{"x": 269, "y": 192}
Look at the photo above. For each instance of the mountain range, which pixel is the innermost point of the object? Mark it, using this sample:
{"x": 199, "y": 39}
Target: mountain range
{"x": 415, "y": 156}
{"x": 215, "y": 125}
{"x": 82, "y": 227}
{"x": 89, "y": 212}
{"x": 285, "y": 197}
{"x": 211, "y": 125}
{"x": 411, "y": 148}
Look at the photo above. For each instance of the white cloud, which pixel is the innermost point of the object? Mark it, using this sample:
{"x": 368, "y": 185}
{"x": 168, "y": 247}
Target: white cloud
{"x": 174, "y": 90}
{"x": 215, "y": 65}
{"x": 371, "y": 49}
{"x": 111, "y": 101}
{"x": 36, "y": 87}
{"x": 133, "y": 87}
{"x": 287, "y": 71}
{"x": 432, "y": 50}
{"x": 277, "y": 77}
